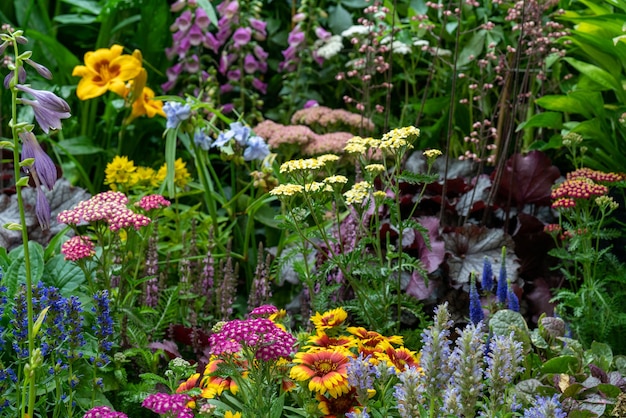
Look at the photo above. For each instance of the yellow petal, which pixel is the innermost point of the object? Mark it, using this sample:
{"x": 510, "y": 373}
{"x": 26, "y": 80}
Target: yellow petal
{"x": 87, "y": 89}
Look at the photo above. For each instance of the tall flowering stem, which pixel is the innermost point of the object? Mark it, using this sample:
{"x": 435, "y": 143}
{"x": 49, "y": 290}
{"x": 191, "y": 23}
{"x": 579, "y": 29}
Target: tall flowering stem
{"x": 11, "y": 37}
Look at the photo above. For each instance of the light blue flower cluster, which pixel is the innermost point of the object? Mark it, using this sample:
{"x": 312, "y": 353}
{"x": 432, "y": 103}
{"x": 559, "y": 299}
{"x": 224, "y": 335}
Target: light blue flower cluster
{"x": 255, "y": 147}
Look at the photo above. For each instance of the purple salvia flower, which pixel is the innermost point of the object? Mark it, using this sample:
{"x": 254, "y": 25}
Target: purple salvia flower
{"x": 476, "y": 313}
{"x": 503, "y": 365}
{"x": 226, "y": 290}
{"x": 466, "y": 384}
{"x": 407, "y": 393}
{"x": 487, "y": 277}
{"x": 43, "y": 71}
{"x": 546, "y": 407}
{"x": 43, "y": 165}
{"x": 151, "y": 296}
{"x": 48, "y": 107}
{"x": 511, "y": 297}
{"x": 502, "y": 280}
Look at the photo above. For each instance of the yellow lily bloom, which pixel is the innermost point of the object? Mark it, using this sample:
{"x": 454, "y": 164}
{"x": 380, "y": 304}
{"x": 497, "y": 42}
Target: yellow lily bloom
{"x": 105, "y": 69}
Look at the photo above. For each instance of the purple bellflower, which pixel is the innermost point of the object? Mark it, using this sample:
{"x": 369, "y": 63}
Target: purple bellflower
{"x": 48, "y": 107}
{"x": 43, "y": 165}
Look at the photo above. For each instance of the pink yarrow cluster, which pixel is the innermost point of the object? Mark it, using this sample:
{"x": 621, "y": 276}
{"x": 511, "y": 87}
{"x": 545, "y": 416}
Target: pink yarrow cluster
{"x": 103, "y": 412}
{"x": 153, "y": 201}
{"x": 77, "y": 248}
{"x": 110, "y": 207}
{"x": 175, "y": 405}
{"x": 268, "y": 341}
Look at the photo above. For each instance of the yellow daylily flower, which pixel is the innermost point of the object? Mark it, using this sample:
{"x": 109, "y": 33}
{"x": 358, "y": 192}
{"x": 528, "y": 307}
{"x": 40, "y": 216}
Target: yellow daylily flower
{"x": 105, "y": 69}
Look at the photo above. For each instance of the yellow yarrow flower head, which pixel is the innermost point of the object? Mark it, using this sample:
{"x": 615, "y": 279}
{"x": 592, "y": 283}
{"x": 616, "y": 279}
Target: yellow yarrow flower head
{"x": 119, "y": 172}
{"x": 327, "y": 158}
{"x": 181, "y": 174}
{"x": 358, "y": 193}
{"x": 375, "y": 168}
{"x": 287, "y": 190}
{"x": 317, "y": 186}
{"x": 337, "y": 179}
{"x": 308, "y": 164}
{"x": 359, "y": 145}
{"x": 398, "y": 138}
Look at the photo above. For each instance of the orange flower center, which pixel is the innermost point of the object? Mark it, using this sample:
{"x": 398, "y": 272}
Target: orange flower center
{"x": 105, "y": 71}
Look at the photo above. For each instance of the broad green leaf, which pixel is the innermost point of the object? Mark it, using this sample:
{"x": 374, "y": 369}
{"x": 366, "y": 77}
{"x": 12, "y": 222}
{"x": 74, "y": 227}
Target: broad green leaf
{"x": 505, "y": 320}
{"x": 563, "y": 103}
{"x": 561, "y": 364}
{"x": 62, "y": 274}
{"x": 472, "y": 49}
{"x": 552, "y": 120}
{"x": 602, "y": 355}
{"x": 16, "y": 273}
{"x": 339, "y": 19}
{"x": 598, "y": 75}
{"x": 92, "y": 7}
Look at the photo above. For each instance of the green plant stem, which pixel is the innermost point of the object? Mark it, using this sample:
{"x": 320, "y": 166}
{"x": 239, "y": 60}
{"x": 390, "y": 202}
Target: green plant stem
{"x": 24, "y": 229}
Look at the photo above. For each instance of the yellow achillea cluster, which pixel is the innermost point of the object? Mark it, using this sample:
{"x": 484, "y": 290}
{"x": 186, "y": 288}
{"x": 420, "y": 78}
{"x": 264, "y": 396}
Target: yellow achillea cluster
{"x": 398, "y": 138}
{"x": 358, "y": 145}
{"x": 323, "y": 363}
{"x": 308, "y": 164}
{"x": 122, "y": 173}
{"x": 107, "y": 69}
{"x": 358, "y": 193}
{"x": 286, "y": 190}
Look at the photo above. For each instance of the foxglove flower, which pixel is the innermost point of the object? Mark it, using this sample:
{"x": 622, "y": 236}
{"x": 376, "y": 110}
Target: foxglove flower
{"x": 176, "y": 113}
{"x": 48, "y": 107}
{"x": 43, "y": 165}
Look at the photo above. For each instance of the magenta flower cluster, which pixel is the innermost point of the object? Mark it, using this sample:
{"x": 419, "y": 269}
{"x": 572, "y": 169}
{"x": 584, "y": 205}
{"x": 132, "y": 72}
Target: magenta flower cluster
{"x": 153, "y": 201}
{"x": 110, "y": 207}
{"x": 175, "y": 405}
{"x": 103, "y": 412}
{"x": 264, "y": 337}
{"x": 235, "y": 46}
{"x": 77, "y": 248}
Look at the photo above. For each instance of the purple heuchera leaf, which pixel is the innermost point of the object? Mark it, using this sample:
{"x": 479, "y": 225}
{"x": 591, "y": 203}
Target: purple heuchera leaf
{"x": 469, "y": 244}
{"x": 431, "y": 258}
{"x": 528, "y": 178}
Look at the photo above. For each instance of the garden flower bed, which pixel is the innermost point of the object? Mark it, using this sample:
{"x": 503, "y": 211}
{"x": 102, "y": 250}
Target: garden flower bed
{"x": 245, "y": 208}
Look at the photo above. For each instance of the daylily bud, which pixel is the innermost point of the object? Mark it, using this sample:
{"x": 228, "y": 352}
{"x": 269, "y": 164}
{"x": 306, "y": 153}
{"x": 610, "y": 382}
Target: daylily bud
{"x": 48, "y": 107}
{"x": 43, "y": 71}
